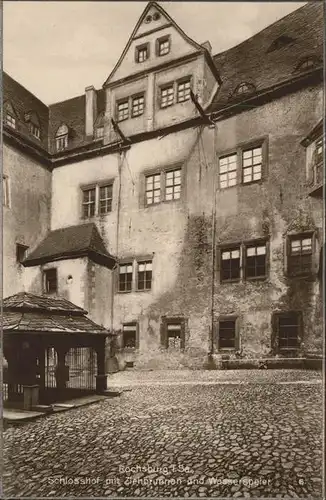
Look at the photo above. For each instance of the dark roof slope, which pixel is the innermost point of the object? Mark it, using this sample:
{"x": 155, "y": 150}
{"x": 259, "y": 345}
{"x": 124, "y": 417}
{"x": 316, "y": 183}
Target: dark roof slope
{"x": 252, "y": 62}
{"x": 23, "y": 101}
{"x": 72, "y": 114}
{"x": 69, "y": 242}
{"x": 24, "y": 301}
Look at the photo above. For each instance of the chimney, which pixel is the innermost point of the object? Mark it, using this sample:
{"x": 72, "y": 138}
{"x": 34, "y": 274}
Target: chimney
{"x": 206, "y": 45}
{"x": 90, "y": 110}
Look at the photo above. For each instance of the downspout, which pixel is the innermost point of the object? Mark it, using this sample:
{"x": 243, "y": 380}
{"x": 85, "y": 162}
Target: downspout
{"x": 211, "y": 351}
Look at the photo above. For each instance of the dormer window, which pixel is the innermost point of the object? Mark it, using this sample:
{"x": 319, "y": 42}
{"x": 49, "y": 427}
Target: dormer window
{"x": 61, "y": 138}
{"x": 163, "y": 45}
{"x": 142, "y": 53}
{"x": 10, "y": 120}
{"x": 244, "y": 88}
{"x": 35, "y": 130}
{"x": 280, "y": 42}
{"x": 307, "y": 64}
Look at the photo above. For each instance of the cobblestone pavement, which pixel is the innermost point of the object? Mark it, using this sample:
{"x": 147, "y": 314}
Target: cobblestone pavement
{"x": 239, "y": 440}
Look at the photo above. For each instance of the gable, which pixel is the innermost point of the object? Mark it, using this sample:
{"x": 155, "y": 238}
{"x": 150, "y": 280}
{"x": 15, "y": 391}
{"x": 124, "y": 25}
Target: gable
{"x": 153, "y": 24}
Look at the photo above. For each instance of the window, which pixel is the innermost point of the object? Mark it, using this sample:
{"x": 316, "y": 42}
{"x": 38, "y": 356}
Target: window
{"x": 153, "y": 189}
{"x": 173, "y": 184}
{"x": 62, "y": 138}
{"x": 105, "y": 201}
{"x": 137, "y": 107}
{"x": 230, "y": 264}
{"x": 129, "y": 333}
{"x": 227, "y": 334}
{"x": 228, "y": 171}
{"x": 5, "y": 191}
{"x": 89, "y": 202}
{"x": 183, "y": 90}
{"x": 99, "y": 132}
{"x": 123, "y": 110}
{"x": 255, "y": 261}
{"x": 142, "y": 53}
{"x": 306, "y": 64}
{"x": 20, "y": 252}
{"x": 252, "y": 164}
{"x": 167, "y": 96}
{"x": 318, "y": 161}
{"x": 50, "y": 281}
{"x": 174, "y": 336}
{"x": 144, "y": 281}
{"x": 10, "y": 120}
{"x": 125, "y": 277}
{"x": 244, "y": 88}
{"x": 300, "y": 255}
{"x": 163, "y": 186}
{"x": 280, "y": 42}
{"x": 163, "y": 46}
{"x": 287, "y": 326}
{"x": 35, "y": 130}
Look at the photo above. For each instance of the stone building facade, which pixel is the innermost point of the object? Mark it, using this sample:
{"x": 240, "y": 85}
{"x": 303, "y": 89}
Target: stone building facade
{"x": 191, "y": 225}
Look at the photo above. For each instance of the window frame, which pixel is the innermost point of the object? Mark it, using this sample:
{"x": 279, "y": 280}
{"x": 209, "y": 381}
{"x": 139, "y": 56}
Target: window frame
{"x": 242, "y": 247}
{"x": 97, "y": 135}
{"x": 139, "y": 49}
{"x": 238, "y": 151}
{"x": 165, "y": 321}
{"x": 10, "y": 120}
{"x": 159, "y": 41}
{"x": 133, "y": 98}
{"x": 255, "y": 243}
{"x": 45, "y": 280}
{"x": 126, "y": 263}
{"x": 84, "y": 190}
{"x": 21, "y": 247}
{"x": 97, "y": 187}
{"x": 276, "y": 332}
{"x": 300, "y": 236}
{"x": 229, "y": 248}
{"x": 125, "y": 100}
{"x": 224, "y": 318}
{"x": 162, "y": 173}
{"x": 140, "y": 262}
{"x": 35, "y": 128}
{"x": 165, "y": 87}
{"x": 131, "y": 324}
{"x": 181, "y": 81}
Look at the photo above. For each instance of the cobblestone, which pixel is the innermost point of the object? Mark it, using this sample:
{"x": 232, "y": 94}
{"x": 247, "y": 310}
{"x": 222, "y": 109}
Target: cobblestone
{"x": 237, "y": 441}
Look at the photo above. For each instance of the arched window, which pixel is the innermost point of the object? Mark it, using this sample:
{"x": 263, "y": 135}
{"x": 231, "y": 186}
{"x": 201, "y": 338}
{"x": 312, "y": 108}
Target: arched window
{"x": 61, "y": 138}
{"x": 244, "y": 88}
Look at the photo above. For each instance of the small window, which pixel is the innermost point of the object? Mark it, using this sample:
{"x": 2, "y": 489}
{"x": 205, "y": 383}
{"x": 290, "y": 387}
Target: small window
{"x": 35, "y": 130}
{"x": 244, "y": 88}
{"x": 252, "y": 165}
{"x": 174, "y": 336}
{"x": 105, "y": 199}
{"x": 300, "y": 255}
{"x": 99, "y": 132}
{"x": 10, "y": 120}
{"x": 227, "y": 334}
{"x": 50, "y": 281}
{"x": 129, "y": 336}
{"x": 230, "y": 264}
{"x": 62, "y": 138}
{"x": 138, "y": 105}
{"x": 228, "y": 171}
{"x": 144, "y": 281}
{"x": 280, "y": 42}
{"x": 255, "y": 261}
{"x": 89, "y": 202}
{"x": 173, "y": 184}
{"x": 5, "y": 191}
{"x": 125, "y": 277}
{"x": 163, "y": 46}
{"x": 123, "y": 110}
{"x": 183, "y": 90}
{"x": 153, "y": 189}
{"x": 167, "y": 96}
{"x": 20, "y": 252}
{"x": 142, "y": 53}
{"x": 288, "y": 331}
{"x": 306, "y": 64}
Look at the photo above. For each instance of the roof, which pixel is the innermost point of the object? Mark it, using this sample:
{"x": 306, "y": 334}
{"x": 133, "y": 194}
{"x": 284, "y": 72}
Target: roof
{"x": 23, "y": 101}
{"x": 253, "y": 62}
{"x": 71, "y": 242}
{"x": 28, "y": 313}
{"x": 24, "y": 301}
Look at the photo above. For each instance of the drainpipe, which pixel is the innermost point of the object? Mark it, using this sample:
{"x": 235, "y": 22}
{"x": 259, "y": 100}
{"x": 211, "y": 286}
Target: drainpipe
{"x": 211, "y": 351}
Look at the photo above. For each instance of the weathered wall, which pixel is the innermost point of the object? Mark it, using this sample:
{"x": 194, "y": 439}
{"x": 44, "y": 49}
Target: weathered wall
{"x": 27, "y": 219}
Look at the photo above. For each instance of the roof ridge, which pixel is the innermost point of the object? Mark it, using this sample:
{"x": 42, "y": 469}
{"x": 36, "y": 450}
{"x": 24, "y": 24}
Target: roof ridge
{"x": 266, "y": 28}
{"x": 26, "y": 89}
